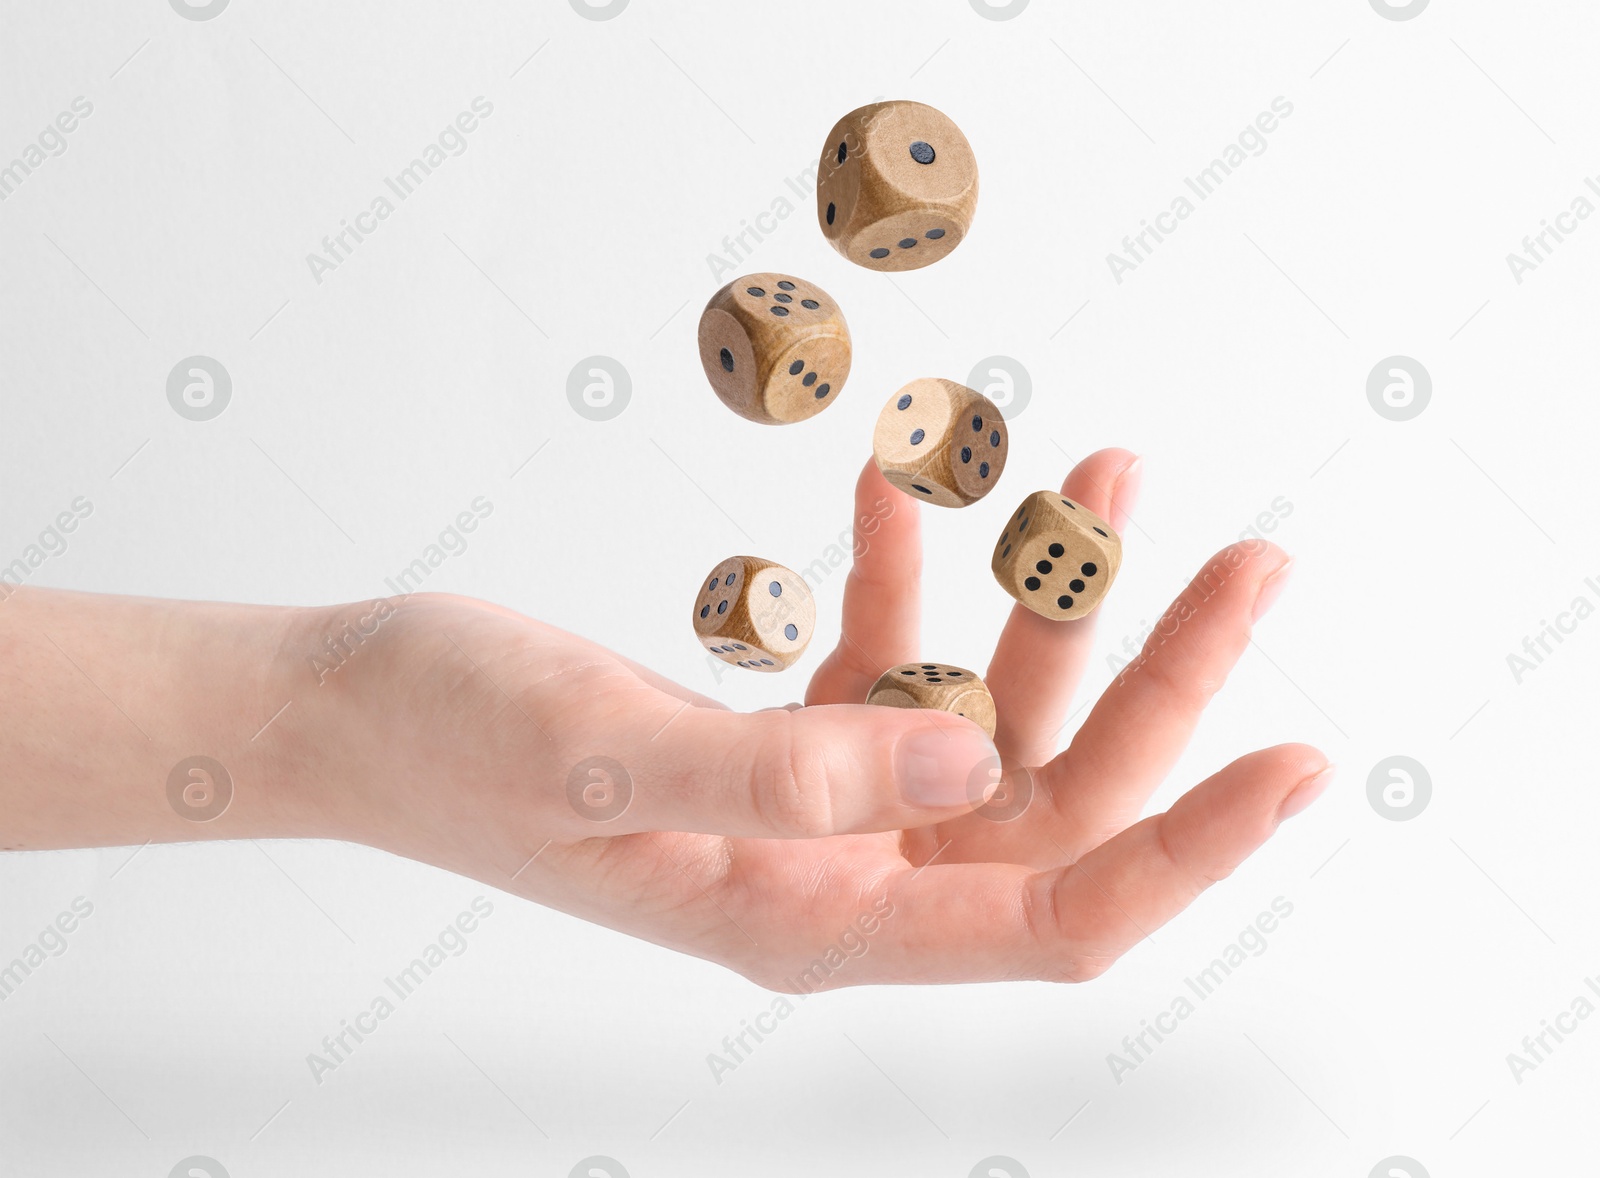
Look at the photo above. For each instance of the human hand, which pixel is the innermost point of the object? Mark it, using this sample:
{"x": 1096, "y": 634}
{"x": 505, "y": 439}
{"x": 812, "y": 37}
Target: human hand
{"x": 835, "y": 844}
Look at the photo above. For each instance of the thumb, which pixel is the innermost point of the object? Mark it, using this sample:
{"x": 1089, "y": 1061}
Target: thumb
{"x": 837, "y": 769}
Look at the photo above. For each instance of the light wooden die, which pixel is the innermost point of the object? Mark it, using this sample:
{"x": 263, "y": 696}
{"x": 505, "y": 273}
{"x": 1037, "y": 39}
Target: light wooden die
{"x": 1056, "y": 556}
{"x": 775, "y": 348}
{"x": 897, "y": 186}
{"x": 754, "y": 614}
{"x": 939, "y": 686}
{"x": 941, "y": 442}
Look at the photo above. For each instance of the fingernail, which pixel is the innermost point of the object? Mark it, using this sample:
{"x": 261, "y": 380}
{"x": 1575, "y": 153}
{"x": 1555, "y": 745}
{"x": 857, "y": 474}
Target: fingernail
{"x": 1126, "y": 492}
{"x": 1270, "y": 589}
{"x": 1305, "y": 793}
{"x": 934, "y": 766}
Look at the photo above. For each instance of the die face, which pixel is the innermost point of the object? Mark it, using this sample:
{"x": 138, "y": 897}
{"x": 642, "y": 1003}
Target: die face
{"x": 977, "y": 705}
{"x": 898, "y": 186}
{"x": 979, "y": 444}
{"x": 939, "y": 686}
{"x": 754, "y": 614}
{"x": 782, "y": 612}
{"x": 1057, "y": 557}
{"x": 720, "y": 605}
{"x": 905, "y": 238}
{"x": 775, "y": 348}
{"x": 941, "y": 442}
{"x": 807, "y": 375}
{"x": 911, "y": 441}
{"x": 729, "y": 359}
{"x": 839, "y": 175}
{"x": 920, "y": 153}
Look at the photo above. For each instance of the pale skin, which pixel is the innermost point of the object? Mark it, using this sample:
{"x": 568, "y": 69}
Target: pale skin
{"x": 754, "y": 840}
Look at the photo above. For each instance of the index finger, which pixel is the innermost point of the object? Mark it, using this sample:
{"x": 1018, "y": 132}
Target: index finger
{"x": 882, "y": 622}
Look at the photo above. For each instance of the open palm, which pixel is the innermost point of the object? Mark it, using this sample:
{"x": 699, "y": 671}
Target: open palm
{"x": 777, "y": 842}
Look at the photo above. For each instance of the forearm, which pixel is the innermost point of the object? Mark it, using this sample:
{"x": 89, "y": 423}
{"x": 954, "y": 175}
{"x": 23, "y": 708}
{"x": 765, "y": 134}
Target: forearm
{"x": 102, "y": 698}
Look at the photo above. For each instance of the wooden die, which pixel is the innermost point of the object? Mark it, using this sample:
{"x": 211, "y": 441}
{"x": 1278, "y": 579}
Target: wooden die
{"x": 941, "y": 442}
{"x": 775, "y": 348}
{"x": 1056, "y": 557}
{"x": 897, "y": 187}
{"x": 938, "y": 686}
{"x": 754, "y": 614}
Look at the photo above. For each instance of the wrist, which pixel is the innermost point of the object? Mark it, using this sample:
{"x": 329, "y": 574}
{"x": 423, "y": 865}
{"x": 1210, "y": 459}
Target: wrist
{"x": 240, "y": 737}
{"x": 325, "y": 756}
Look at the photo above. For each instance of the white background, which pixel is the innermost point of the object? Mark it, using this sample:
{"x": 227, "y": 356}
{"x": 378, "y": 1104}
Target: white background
{"x": 368, "y": 409}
